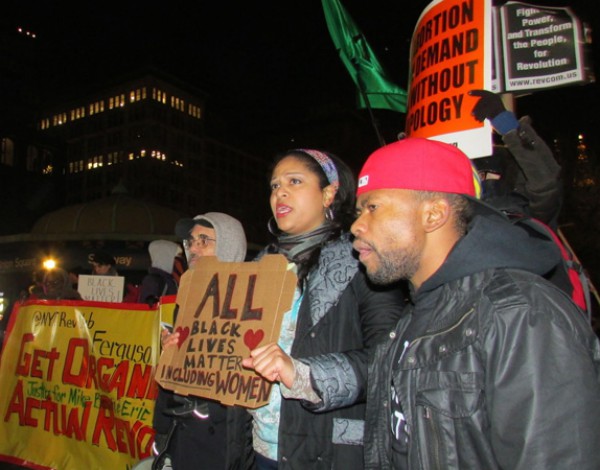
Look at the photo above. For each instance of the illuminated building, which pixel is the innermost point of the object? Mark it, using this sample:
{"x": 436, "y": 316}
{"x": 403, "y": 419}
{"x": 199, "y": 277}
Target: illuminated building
{"x": 142, "y": 135}
{"x": 146, "y": 133}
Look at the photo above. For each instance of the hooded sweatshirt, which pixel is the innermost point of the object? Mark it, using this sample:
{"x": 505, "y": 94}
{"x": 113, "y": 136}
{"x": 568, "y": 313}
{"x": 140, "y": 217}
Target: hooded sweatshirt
{"x": 491, "y": 242}
{"x": 159, "y": 280}
{"x": 162, "y": 254}
{"x": 231, "y": 239}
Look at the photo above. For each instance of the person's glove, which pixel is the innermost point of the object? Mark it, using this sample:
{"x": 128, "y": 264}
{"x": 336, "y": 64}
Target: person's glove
{"x": 490, "y": 107}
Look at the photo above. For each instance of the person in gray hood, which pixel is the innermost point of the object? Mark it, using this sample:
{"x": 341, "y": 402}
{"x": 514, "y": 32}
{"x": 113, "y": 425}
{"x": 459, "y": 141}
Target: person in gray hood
{"x": 159, "y": 281}
{"x": 212, "y": 234}
{"x": 191, "y": 432}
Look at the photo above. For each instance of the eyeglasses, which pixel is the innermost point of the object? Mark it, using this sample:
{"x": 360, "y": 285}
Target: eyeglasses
{"x": 200, "y": 241}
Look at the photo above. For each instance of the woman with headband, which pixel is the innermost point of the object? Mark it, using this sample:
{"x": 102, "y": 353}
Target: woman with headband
{"x": 335, "y": 316}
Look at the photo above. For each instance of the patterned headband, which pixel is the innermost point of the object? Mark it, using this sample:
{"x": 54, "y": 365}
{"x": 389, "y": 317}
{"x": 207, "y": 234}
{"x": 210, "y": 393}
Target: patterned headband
{"x": 326, "y": 163}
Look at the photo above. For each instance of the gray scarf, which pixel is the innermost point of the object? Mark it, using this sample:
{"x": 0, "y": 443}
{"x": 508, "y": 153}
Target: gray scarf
{"x": 327, "y": 280}
{"x": 336, "y": 268}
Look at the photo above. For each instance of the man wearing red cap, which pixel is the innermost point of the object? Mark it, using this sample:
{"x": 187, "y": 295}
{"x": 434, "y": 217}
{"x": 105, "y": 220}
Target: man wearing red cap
{"x": 492, "y": 366}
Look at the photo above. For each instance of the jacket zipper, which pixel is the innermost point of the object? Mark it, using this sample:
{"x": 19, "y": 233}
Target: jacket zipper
{"x": 434, "y": 448}
{"x": 456, "y": 325}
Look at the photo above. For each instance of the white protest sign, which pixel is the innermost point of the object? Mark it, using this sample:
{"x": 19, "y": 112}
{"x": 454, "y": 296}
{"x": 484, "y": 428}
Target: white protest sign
{"x": 101, "y": 288}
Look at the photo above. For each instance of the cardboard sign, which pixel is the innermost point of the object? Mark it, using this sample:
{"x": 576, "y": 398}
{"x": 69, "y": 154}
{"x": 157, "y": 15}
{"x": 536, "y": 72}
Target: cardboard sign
{"x": 450, "y": 55}
{"x": 542, "y": 47}
{"x": 225, "y": 311}
{"x": 101, "y": 288}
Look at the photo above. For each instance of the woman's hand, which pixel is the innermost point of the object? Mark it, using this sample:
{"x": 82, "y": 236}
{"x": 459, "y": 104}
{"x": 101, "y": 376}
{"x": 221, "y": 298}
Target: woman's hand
{"x": 272, "y": 363}
{"x": 168, "y": 339}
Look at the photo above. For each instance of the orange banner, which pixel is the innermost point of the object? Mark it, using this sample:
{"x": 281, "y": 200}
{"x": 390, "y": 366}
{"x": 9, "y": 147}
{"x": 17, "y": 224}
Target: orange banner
{"x": 77, "y": 384}
{"x": 450, "y": 55}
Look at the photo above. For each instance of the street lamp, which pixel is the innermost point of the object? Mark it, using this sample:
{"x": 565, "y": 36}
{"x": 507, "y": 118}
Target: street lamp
{"x": 49, "y": 264}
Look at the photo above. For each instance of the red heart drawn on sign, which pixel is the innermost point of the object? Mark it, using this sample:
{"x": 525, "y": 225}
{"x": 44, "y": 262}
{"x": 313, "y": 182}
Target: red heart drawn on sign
{"x": 253, "y": 339}
{"x": 183, "y": 334}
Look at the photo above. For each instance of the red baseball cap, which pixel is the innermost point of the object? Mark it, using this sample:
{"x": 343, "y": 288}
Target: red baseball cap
{"x": 422, "y": 165}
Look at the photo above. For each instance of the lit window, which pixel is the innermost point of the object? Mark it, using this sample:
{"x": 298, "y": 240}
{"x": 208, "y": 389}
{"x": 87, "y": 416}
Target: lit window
{"x": 7, "y": 154}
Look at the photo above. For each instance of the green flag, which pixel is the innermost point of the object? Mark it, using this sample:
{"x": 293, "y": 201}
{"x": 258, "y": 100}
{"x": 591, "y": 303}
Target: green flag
{"x": 359, "y": 59}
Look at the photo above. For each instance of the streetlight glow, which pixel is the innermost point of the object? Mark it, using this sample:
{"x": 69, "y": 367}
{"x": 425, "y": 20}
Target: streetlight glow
{"x": 49, "y": 264}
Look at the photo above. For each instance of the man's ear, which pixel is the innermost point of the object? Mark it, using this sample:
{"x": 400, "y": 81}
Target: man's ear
{"x": 329, "y": 195}
{"x": 436, "y": 213}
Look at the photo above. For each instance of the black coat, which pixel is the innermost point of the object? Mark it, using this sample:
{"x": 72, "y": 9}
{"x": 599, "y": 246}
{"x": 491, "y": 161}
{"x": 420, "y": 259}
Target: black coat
{"x": 506, "y": 376}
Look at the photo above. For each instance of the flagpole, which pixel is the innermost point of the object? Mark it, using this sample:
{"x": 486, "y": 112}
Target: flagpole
{"x": 364, "y": 95}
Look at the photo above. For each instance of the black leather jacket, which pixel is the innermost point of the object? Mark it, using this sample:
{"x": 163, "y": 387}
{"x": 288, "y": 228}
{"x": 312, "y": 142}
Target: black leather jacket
{"x": 505, "y": 375}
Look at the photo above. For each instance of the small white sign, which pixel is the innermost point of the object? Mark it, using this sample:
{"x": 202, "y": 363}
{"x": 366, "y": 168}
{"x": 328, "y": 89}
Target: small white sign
{"x": 101, "y": 288}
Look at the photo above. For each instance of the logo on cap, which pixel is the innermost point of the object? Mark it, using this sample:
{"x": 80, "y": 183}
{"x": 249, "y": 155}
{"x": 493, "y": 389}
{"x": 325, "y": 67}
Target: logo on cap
{"x": 363, "y": 181}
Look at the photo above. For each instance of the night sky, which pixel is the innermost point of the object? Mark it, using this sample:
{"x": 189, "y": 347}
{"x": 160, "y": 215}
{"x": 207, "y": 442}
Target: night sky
{"x": 262, "y": 63}
{"x": 267, "y": 65}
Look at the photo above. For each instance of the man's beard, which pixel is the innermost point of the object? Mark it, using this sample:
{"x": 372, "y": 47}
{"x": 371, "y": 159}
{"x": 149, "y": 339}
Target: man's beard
{"x": 395, "y": 265}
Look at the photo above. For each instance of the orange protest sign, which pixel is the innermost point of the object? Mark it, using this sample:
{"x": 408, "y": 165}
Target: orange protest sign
{"x": 77, "y": 385}
{"x": 450, "y": 55}
{"x": 225, "y": 311}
